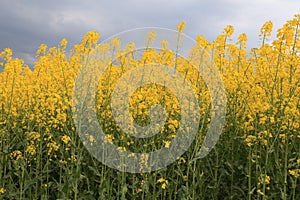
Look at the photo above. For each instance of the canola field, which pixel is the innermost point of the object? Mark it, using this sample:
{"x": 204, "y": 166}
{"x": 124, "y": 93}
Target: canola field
{"x": 257, "y": 155}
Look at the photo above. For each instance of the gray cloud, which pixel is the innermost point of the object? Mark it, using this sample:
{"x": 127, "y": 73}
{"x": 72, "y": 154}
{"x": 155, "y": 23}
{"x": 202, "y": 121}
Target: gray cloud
{"x": 28, "y": 23}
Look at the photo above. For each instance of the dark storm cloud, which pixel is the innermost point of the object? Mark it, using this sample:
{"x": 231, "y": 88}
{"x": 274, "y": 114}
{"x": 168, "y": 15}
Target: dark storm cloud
{"x": 25, "y": 24}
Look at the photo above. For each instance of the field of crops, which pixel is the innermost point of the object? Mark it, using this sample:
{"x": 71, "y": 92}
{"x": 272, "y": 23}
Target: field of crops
{"x": 256, "y": 157}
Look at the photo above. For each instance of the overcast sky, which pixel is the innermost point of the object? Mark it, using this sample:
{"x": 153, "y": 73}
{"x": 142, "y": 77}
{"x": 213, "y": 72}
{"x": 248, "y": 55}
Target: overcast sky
{"x": 25, "y": 24}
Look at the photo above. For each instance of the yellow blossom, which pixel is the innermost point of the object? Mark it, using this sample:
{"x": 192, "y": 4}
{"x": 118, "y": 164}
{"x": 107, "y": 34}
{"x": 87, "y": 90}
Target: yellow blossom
{"x": 66, "y": 139}
{"x": 181, "y": 26}
{"x": 2, "y": 190}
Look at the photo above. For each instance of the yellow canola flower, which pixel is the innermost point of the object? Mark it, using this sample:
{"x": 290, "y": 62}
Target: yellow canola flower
{"x": 167, "y": 143}
{"x": 164, "y": 182}
{"x": 266, "y": 29}
{"x": 295, "y": 173}
{"x": 66, "y": 139}
{"x": 31, "y": 150}
{"x": 16, "y": 155}
{"x": 2, "y": 190}
{"x": 64, "y": 42}
{"x": 6, "y": 54}
{"x": 164, "y": 185}
{"x": 160, "y": 180}
{"x": 228, "y": 30}
{"x": 181, "y": 26}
